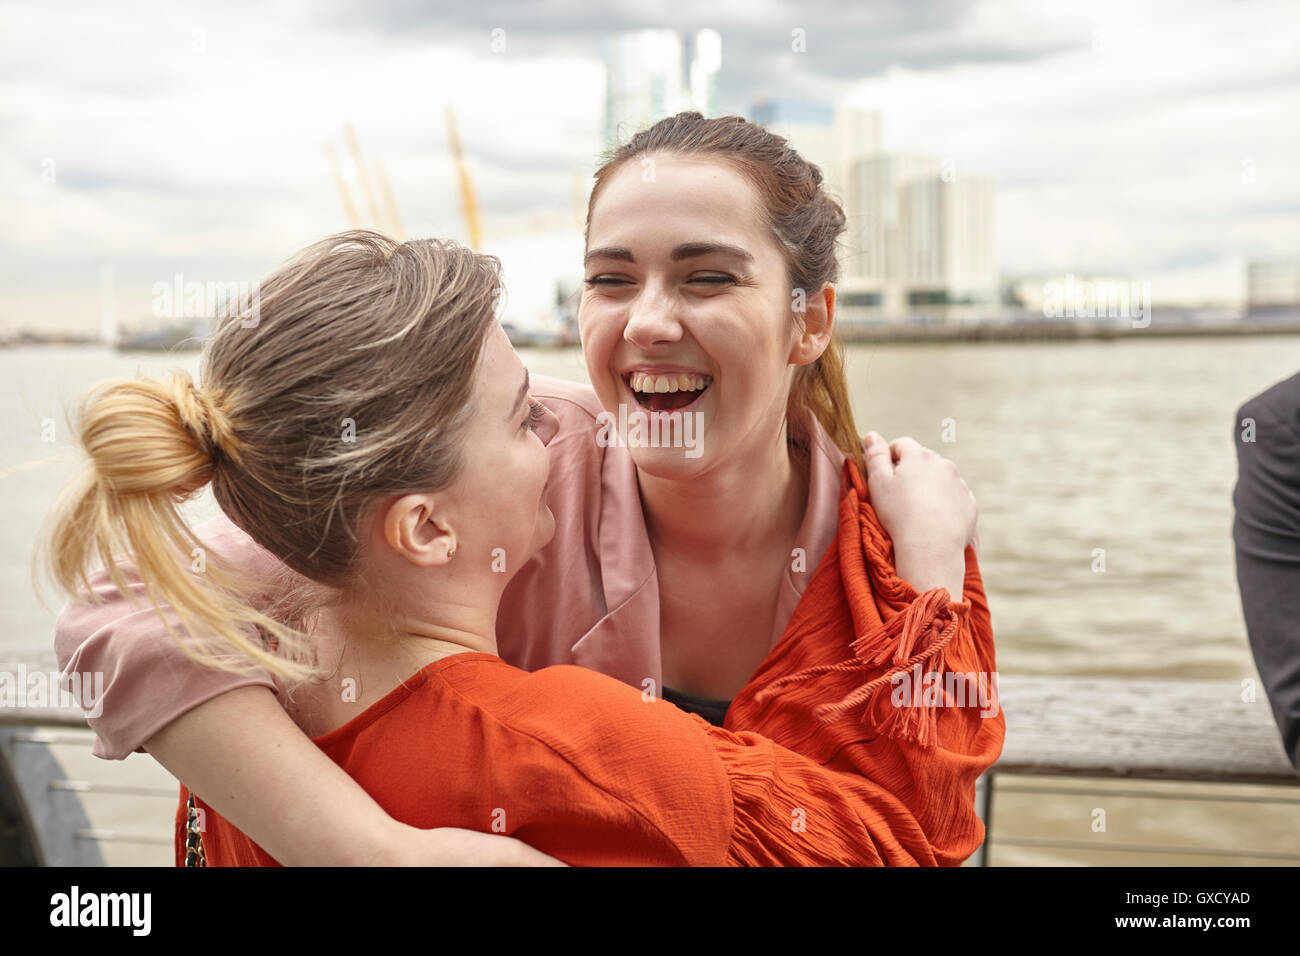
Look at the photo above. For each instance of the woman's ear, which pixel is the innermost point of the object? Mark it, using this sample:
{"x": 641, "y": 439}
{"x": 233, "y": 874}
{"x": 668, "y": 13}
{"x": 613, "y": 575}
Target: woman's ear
{"x": 818, "y": 322}
{"x": 414, "y": 529}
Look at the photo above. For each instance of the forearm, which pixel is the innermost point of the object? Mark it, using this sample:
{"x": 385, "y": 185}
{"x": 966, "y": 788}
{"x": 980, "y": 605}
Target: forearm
{"x": 247, "y": 759}
{"x": 925, "y": 569}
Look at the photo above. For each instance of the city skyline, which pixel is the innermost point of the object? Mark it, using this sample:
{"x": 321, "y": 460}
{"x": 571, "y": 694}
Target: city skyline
{"x": 1156, "y": 144}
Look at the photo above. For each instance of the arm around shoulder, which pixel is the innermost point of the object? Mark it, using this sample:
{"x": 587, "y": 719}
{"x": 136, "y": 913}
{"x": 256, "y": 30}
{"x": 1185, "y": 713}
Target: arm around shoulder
{"x": 251, "y": 763}
{"x": 136, "y": 676}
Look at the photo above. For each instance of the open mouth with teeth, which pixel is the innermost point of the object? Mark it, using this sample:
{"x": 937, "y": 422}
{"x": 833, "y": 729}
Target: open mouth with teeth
{"x": 669, "y": 392}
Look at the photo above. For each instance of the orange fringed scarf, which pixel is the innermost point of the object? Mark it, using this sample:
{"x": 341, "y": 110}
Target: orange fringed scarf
{"x": 887, "y": 719}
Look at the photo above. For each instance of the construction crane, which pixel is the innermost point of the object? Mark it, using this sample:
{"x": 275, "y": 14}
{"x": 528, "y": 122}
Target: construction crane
{"x": 382, "y": 219}
{"x": 469, "y": 203}
{"x": 390, "y": 205}
{"x": 381, "y": 208}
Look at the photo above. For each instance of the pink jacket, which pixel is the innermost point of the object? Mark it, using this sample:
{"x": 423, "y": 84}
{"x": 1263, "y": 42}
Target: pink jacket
{"x": 590, "y": 597}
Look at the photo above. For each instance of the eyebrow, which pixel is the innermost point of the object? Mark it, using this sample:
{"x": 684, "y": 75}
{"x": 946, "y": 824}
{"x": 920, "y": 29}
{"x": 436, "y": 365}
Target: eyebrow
{"x": 519, "y": 399}
{"x": 687, "y": 250}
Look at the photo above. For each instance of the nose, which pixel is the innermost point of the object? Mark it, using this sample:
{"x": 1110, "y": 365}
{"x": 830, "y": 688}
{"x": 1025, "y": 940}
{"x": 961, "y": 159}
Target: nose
{"x": 651, "y": 321}
{"x": 549, "y": 426}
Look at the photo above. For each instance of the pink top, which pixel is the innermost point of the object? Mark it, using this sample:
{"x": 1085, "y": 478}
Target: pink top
{"x": 590, "y": 597}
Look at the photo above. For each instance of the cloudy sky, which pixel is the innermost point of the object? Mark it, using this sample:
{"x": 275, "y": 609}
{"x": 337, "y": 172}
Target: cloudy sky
{"x": 1156, "y": 140}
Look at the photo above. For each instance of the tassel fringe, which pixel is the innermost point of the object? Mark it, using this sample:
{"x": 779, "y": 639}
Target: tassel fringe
{"x": 916, "y": 636}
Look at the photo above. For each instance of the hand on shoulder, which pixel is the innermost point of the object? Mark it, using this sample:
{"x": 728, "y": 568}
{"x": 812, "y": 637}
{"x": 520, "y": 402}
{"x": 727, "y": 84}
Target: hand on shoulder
{"x": 919, "y": 496}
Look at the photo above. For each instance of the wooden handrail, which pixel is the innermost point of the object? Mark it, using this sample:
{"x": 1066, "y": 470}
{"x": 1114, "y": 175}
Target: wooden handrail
{"x": 1140, "y": 728}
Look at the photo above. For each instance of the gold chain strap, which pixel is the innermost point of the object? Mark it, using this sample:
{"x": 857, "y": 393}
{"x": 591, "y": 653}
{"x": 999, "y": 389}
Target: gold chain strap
{"x": 194, "y": 854}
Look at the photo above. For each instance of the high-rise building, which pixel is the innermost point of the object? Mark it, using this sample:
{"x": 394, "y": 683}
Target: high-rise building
{"x": 651, "y": 74}
{"x": 831, "y": 138}
{"x": 946, "y": 241}
{"x": 920, "y": 236}
{"x": 921, "y": 241}
{"x": 876, "y": 213}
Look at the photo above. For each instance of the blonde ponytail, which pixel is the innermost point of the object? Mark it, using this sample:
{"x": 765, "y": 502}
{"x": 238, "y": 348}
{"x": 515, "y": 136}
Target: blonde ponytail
{"x": 151, "y": 445}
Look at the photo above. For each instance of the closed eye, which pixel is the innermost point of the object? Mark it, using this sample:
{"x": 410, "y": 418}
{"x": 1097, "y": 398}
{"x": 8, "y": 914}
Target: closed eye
{"x": 536, "y": 415}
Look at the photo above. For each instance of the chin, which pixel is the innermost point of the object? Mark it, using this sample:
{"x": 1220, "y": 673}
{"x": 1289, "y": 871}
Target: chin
{"x": 668, "y": 463}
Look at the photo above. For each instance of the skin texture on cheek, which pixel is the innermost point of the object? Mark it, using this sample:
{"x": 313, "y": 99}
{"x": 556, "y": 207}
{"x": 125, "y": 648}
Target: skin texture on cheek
{"x": 498, "y": 499}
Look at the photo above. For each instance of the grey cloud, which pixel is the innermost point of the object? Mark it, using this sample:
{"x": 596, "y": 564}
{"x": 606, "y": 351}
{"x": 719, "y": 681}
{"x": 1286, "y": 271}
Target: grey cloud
{"x": 845, "y": 40}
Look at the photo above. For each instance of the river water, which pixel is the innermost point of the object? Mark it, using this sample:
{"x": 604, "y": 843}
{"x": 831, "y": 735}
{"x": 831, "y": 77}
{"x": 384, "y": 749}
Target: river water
{"x": 1076, "y": 451}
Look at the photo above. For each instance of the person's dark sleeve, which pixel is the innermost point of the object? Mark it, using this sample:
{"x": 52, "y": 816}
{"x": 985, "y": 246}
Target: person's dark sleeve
{"x": 1266, "y": 533}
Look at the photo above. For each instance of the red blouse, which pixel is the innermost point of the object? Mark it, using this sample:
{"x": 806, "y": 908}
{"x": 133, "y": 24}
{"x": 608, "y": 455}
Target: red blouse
{"x": 822, "y": 760}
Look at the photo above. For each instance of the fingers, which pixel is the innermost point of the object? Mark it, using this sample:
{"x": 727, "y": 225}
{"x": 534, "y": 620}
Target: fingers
{"x": 880, "y": 463}
{"x": 901, "y": 450}
{"x": 908, "y": 448}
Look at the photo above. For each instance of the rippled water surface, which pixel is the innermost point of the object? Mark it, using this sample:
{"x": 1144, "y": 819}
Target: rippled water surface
{"x": 1126, "y": 447}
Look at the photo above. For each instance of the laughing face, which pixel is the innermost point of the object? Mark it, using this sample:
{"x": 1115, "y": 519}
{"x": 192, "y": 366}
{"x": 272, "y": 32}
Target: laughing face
{"x": 687, "y": 309}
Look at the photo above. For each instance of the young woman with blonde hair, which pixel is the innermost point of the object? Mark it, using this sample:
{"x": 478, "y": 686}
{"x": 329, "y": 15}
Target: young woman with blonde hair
{"x": 678, "y": 575}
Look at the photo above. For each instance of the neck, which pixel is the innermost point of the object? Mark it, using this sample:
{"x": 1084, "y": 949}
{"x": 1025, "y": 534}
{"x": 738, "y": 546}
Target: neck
{"x": 359, "y": 634}
{"x": 741, "y": 507}
{"x": 363, "y": 660}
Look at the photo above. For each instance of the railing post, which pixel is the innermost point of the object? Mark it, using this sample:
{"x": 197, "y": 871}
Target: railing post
{"x": 984, "y": 807}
